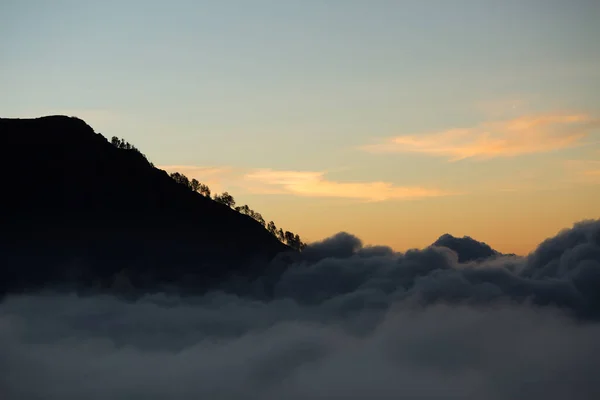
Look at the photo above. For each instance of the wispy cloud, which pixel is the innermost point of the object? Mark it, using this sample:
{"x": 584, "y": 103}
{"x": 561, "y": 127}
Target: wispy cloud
{"x": 314, "y": 184}
{"x": 506, "y": 138}
{"x": 299, "y": 183}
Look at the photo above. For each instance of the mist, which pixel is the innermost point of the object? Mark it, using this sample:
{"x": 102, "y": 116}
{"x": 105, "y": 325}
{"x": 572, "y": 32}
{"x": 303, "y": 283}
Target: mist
{"x": 453, "y": 320}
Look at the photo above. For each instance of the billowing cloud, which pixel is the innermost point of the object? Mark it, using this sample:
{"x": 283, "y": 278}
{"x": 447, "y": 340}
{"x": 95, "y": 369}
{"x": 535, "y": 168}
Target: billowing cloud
{"x": 524, "y": 135}
{"x": 221, "y": 347}
{"x": 341, "y": 321}
{"x": 314, "y": 184}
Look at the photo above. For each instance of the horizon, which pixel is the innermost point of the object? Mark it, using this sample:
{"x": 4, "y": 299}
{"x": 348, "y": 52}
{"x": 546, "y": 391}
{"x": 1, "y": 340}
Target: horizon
{"x": 395, "y": 121}
{"x": 411, "y": 207}
{"x": 179, "y": 169}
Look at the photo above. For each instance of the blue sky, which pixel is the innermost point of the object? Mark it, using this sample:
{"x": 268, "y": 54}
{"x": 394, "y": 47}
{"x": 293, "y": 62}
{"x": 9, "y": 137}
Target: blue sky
{"x": 229, "y": 89}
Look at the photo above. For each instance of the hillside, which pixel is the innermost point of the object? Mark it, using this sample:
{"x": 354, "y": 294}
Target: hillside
{"x": 75, "y": 208}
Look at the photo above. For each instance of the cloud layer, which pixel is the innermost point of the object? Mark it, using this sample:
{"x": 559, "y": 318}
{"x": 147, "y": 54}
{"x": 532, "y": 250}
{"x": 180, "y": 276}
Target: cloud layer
{"x": 342, "y": 321}
{"x": 524, "y": 135}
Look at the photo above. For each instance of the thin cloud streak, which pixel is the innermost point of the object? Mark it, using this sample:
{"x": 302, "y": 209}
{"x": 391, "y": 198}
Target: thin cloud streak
{"x": 267, "y": 181}
{"x": 314, "y": 184}
{"x": 524, "y": 135}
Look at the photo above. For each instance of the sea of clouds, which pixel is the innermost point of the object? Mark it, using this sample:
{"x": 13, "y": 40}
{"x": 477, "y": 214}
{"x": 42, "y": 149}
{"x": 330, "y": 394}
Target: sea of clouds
{"x": 341, "y": 321}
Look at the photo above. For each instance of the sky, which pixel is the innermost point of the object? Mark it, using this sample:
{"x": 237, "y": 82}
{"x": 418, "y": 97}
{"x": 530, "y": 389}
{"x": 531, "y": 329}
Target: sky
{"x": 397, "y": 121}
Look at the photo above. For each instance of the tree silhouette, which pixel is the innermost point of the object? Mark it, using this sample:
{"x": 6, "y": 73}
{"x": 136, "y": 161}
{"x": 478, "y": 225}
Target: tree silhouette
{"x": 225, "y": 198}
{"x": 204, "y": 190}
{"x": 124, "y": 145}
{"x": 244, "y": 210}
{"x": 195, "y": 185}
{"x": 298, "y": 245}
{"x": 294, "y": 241}
{"x": 259, "y": 218}
{"x": 272, "y": 228}
{"x": 181, "y": 179}
{"x": 287, "y": 237}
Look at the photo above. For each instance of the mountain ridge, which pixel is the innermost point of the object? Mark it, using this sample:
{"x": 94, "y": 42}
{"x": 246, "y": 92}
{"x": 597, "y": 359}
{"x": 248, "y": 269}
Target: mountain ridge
{"x": 72, "y": 195}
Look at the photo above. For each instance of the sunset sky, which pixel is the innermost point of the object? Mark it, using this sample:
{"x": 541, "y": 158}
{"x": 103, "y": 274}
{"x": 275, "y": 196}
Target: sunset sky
{"x": 396, "y": 121}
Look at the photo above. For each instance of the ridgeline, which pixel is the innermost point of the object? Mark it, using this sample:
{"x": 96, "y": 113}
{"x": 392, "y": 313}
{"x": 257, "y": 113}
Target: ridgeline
{"x": 80, "y": 210}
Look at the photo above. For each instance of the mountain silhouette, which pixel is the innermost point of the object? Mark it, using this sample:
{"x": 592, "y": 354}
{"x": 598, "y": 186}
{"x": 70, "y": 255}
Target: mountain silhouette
{"x": 75, "y": 209}
{"x": 467, "y": 248}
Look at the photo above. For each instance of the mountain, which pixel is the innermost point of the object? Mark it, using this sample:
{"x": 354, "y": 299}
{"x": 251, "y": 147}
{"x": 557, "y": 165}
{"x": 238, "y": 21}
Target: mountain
{"x": 75, "y": 209}
{"x": 467, "y": 248}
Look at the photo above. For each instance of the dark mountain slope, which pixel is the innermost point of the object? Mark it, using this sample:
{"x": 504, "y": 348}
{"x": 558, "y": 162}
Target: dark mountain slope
{"x": 467, "y": 248}
{"x": 76, "y": 208}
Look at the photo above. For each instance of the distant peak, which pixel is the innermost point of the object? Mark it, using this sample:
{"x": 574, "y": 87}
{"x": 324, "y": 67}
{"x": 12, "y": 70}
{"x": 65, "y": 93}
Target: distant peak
{"x": 447, "y": 236}
{"x": 467, "y": 248}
